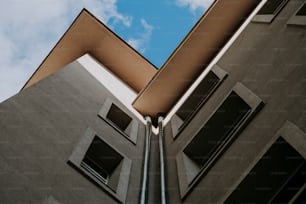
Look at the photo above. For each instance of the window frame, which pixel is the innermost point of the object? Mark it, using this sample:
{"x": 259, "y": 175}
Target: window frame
{"x": 292, "y": 134}
{"x": 297, "y": 20}
{"x": 189, "y": 174}
{"x": 131, "y": 132}
{"x": 177, "y": 124}
{"x": 96, "y": 174}
{"x": 268, "y": 18}
{"x": 120, "y": 174}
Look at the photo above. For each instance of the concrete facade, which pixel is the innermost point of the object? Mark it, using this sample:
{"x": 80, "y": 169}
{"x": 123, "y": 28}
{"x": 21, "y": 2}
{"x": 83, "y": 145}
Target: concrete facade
{"x": 269, "y": 59}
{"x": 41, "y": 127}
{"x": 44, "y": 128}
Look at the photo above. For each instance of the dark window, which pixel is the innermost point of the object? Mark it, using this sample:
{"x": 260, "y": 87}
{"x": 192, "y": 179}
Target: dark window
{"x": 276, "y": 178}
{"x": 100, "y": 159}
{"x": 272, "y": 7}
{"x": 198, "y": 96}
{"x": 301, "y": 198}
{"x": 217, "y": 130}
{"x": 118, "y": 117}
{"x": 302, "y": 11}
{"x": 197, "y": 99}
{"x": 119, "y": 120}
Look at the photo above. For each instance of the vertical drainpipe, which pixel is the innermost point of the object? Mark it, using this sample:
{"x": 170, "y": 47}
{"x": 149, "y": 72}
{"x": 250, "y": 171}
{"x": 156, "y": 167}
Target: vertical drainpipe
{"x": 162, "y": 160}
{"x": 143, "y": 195}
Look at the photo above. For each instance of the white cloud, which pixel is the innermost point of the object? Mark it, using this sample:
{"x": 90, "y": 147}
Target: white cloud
{"x": 29, "y": 29}
{"x": 141, "y": 43}
{"x": 195, "y": 4}
{"x": 106, "y": 11}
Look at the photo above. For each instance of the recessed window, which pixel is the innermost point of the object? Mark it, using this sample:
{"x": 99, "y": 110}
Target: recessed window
{"x": 278, "y": 174}
{"x": 197, "y": 98}
{"x": 271, "y": 7}
{"x": 101, "y": 160}
{"x": 215, "y": 132}
{"x": 269, "y": 11}
{"x": 301, "y": 196}
{"x": 118, "y": 119}
{"x": 198, "y": 95}
{"x": 299, "y": 18}
{"x": 276, "y": 178}
{"x": 102, "y": 163}
{"x": 212, "y": 139}
{"x": 302, "y": 11}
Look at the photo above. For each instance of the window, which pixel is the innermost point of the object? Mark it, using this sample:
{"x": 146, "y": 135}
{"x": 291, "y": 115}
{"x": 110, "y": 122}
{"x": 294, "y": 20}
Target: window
{"x": 214, "y": 136}
{"x": 225, "y": 120}
{"x": 118, "y": 117}
{"x": 299, "y": 18}
{"x": 269, "y": 11}
{"x": 198, "y": 97}
{"x": 302, "y": 10}
{"x": 103, "y": 164}
{"x": 279, "y": 176}
{"x": 119, "y": 120}
{"x": 101, "y": 160}
{"x": 300, "y": 196}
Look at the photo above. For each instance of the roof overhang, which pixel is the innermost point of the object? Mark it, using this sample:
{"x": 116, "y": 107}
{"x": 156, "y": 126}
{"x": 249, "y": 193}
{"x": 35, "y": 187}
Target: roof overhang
{"x": 88, "y": 35}
{"x": 193, "y": 55}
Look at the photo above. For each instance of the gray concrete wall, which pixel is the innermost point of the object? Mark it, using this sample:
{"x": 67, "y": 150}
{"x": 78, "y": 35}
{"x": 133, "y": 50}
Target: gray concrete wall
{"x": 39, "y": 129}
{"x": 270, "y": 60}
{"x": 41, "y": 126}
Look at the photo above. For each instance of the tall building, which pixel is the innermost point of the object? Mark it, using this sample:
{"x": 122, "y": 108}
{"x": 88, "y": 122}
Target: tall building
{"x": 222, "y": 121}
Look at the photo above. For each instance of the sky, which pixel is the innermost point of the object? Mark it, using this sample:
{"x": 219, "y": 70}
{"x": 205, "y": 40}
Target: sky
{"x": 29, "y": 29}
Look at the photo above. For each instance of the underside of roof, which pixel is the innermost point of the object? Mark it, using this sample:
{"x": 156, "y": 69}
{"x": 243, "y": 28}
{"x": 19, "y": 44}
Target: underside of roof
{"x": 159, "y": 90}
{"x": 193, "y": 55}
{"x": 88, "y": 35}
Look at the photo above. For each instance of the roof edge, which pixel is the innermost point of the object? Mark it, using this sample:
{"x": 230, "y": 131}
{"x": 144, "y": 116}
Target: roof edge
{"x": 84, "y": 10}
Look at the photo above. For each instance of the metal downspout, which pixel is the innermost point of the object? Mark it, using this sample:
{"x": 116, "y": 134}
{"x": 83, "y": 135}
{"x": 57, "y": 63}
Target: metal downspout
{"x": 143, "y": 196}
{"x": 162, "y": 160}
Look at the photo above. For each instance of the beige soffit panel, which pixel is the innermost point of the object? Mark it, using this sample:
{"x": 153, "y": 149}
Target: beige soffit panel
{"x": 88, "y": 35}
{"x": 194, "y": 53}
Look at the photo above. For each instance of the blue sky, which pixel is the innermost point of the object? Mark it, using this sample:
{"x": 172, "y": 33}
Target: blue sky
{"x": 30, "y": 28}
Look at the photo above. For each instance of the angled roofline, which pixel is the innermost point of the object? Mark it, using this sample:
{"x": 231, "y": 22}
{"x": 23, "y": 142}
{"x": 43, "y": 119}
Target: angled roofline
{"x": 194, "y": 27}
{"x": 121, "y": 39}
{"x": 25, "y": 85}
{"x": 194, "y": 53}
{"x": 175, "y": 50}
{"x": 148, "y": 70}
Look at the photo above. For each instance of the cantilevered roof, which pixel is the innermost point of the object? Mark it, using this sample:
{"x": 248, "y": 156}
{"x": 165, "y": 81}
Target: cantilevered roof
{"x": 88, "y": 35}
{"x": 192, "y": 56}
{"x": 158, "y": 91}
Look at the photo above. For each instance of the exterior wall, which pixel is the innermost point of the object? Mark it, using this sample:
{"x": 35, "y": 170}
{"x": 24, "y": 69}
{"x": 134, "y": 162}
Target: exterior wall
{"x": 269, "y": 59}
{"x": 41, "y": 126}
{"x": 39, "y": 129}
